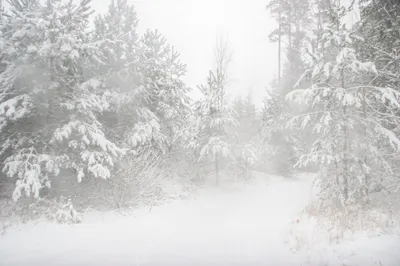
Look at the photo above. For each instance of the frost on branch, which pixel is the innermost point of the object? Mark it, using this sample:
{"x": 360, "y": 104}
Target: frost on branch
{"x": 214, "y": 146}
{"x": 88, "y": 149}
{"x": 33, "y": 171}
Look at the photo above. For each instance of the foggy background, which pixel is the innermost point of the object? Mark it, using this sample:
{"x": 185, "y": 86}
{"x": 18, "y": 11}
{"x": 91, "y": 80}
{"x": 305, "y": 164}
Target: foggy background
{"x": 192, "y": 26}
{"x": 112, "y": 163}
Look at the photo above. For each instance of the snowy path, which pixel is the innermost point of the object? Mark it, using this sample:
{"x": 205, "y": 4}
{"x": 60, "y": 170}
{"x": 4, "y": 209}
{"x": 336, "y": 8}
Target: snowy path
{"x": 219, "y": 227}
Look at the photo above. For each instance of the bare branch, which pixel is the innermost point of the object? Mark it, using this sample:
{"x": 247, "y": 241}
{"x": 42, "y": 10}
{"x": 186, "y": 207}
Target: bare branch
{"x": 223, "y": 57}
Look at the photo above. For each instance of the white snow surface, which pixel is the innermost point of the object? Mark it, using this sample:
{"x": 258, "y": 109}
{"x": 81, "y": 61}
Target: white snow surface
{"x": 229, "y": 225}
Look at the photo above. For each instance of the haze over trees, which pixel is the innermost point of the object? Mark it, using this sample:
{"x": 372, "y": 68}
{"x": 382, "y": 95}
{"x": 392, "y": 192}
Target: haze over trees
{"x": 94, "y": 114}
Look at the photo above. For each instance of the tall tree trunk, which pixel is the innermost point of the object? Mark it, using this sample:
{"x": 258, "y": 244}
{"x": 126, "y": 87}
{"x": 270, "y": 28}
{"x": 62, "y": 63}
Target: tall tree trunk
{"x": 345, "y": 145}
{"x": 366, "y": 177}
{"x": 290, "y": 49}
{"x": 290, "y": 27}
{"x": 279, "y": 45}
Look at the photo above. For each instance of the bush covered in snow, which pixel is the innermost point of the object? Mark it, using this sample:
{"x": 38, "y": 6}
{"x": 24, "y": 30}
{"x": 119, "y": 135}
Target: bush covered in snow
{"x": 59, "y": 210}
{"x": 245, "y": 158}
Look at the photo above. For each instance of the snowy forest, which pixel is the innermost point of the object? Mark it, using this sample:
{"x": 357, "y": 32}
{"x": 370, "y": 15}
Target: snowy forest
{"x": 101, "y": 135}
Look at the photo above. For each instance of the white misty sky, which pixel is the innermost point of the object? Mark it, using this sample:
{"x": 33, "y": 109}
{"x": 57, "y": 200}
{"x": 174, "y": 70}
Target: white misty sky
{"x": 192, "y": 26}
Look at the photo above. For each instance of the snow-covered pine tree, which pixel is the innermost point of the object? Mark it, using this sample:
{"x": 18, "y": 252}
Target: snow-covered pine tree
{"x": 116, "y": 37}
{"x": 206, "y": 136}
{"x": 81, "y": 140}
{"x": 117, "y": 28}
{"x": 211, "y": 117}
{"x": 1, "y": 9}
{"x": 293, "y": 18}
{"x": 167, "y": 94}
{"x": 249, "y": 107}
{"x": 379, "y": 26}
{"x": 249, "y": 123}
{"x": 271, "y": 113}
{"x": 20, "y": 120}
{"x": 278, "y": 145}
{"x": 144, "y": 77}
{"x": 49, "y": 98}
{"x": 238, "y": 107}
{"x": 129, "y": 121}
{"x": 243, "y": 137}
{"x": 353, "y": 141}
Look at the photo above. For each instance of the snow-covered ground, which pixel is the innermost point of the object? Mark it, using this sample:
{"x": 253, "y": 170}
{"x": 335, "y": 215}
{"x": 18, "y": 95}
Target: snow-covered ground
{"x": 230, "y": 225}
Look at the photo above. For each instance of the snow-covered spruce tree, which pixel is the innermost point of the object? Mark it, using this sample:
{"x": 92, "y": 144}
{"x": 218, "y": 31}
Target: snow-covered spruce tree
{"x": 50, "y": 97}
{"x": 353, "y": 141}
